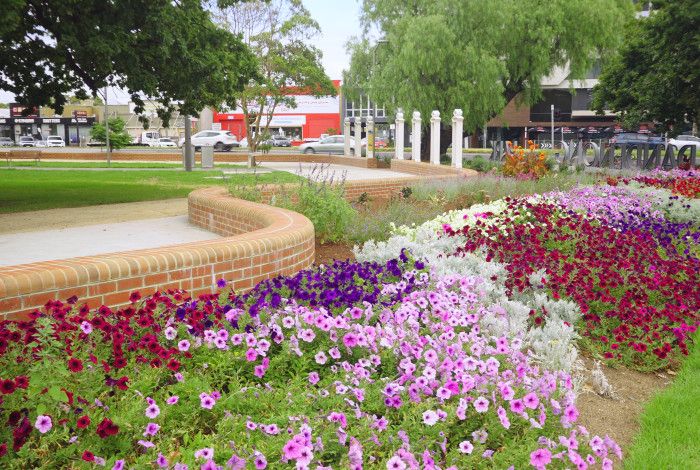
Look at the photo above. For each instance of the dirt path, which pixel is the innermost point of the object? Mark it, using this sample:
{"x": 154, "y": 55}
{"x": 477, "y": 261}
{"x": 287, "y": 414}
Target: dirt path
{"x": 90, "y": 215}
{"x": 619, "y": 417}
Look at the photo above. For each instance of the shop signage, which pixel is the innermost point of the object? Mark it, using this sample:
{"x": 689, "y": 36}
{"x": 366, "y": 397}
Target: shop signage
{"x": 51, "y": 120}
{"x": 79, "y": 114}
{"x": 25, "y": 120}
{"x": 284, "y": 121}
{"x": 17, "y": 109}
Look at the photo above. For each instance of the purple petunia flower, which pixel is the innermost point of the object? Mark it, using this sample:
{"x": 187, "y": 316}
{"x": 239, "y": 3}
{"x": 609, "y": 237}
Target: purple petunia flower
{"x": 43, "y": 424}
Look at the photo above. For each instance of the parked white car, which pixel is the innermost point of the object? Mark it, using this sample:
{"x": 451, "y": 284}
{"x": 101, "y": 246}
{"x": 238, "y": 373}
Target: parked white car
{"x": 55, "y": 141}
{"x": 220, "y": 140}
{"x": 330, "y": 144}
{"x": 164, "y": 142}
{"x": 682, "y": 140}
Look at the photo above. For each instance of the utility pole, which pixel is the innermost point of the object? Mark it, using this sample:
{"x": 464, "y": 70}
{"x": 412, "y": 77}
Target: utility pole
{"x": 189, "y": 158}
{"x": 109, "y": 147}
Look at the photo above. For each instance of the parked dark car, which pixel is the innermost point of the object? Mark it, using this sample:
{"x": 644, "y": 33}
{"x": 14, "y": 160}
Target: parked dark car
{"x": 636, "y": 138}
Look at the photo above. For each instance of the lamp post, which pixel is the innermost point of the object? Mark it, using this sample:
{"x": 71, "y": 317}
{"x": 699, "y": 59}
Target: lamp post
{"x": 552, "y": 122}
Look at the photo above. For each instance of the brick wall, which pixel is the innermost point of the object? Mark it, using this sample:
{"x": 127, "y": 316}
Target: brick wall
{"x": 383, "y": 188}
{"x": 220, "y": 157}
{"x": 260, "y": 242}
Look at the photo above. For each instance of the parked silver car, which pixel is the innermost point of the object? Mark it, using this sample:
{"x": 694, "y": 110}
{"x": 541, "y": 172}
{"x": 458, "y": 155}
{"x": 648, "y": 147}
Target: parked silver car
{"x": 683, "y": 140}
{"x": 6, "y": 142}
{"x": 27, "y": 141}
{"x": 330, "y": 144}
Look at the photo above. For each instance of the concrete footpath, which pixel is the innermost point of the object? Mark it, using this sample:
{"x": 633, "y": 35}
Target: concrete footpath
{"x": 326, "y": 171}
{"x": 45, "y": 245}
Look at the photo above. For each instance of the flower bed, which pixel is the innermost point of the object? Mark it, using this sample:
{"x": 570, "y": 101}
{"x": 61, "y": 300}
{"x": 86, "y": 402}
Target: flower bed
{"x": 626, "y": 255}
{"x": 451, "y": 345}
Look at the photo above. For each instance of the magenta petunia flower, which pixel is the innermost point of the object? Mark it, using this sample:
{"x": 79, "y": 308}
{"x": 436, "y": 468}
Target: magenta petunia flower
{"x": 161, "y": 461}
{"x": 205, "y": 453}
{"x": 151, "y": 429}
{"x": 430, "y": 417}
{"x": 531, "y": 401}
{"x": 206, "y": 401}
{"x": 183, "y": 345}
{"x": 481, "y": 405}
{"x": 86, "y": 327}
{"x": 43, "y": 424}
{"x": 152, "y": 411}
{"x": 540, "y": 458}
{"x": 466, "y": 447}
{"x": 172, "y": 400}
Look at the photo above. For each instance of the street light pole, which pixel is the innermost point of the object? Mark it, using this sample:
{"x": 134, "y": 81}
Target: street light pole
{"x": 109, "y": 147}
{"x": 552, "y": 115}
{"x": 188, "y": 144}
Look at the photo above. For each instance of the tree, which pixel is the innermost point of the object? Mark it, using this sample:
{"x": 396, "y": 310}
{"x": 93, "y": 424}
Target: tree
{"x": 168, "y": 51}
{"x": 656, "y": 75}
{"x": 476, "y": 55}
{"x": 278, "y": 32}
{"x": 118, "y": 136}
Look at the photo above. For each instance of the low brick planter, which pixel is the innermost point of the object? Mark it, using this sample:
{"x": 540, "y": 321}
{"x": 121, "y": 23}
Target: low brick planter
{"x": 259, "y": 242}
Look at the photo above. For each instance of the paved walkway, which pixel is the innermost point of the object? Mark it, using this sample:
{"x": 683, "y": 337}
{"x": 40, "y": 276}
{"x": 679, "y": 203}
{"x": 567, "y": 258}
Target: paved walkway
{"x": 326, "y": 171}
{"x": 29, "y": 247}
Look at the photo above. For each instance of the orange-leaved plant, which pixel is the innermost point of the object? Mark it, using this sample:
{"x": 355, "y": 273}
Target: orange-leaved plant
{"x": 525, "y": 162}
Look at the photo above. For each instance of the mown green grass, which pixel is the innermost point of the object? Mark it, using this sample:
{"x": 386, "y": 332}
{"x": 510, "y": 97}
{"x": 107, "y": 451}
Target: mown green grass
{"x": 670, "y": 435}
{"x": 101, "y": 164}
{"x": 25, "y": 190}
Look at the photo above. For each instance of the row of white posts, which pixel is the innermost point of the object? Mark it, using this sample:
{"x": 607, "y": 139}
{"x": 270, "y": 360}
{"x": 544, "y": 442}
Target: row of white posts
{"x": 457, "y": 129}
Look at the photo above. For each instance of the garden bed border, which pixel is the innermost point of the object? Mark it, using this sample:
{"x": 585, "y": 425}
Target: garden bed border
{"x": 260, "y": 242}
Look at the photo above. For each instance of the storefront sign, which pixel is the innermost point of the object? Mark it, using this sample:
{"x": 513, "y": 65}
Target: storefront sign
{"x": 284, "y": 121}
{"x": 25, "y": 121}
{"x": 79, "y": 114}
{"x": 17, "y": 109}
{"x": 51, "y": 120}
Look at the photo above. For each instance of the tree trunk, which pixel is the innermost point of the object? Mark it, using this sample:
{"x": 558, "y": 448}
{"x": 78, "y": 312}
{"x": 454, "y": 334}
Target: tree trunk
{"x": 445, "y": 141}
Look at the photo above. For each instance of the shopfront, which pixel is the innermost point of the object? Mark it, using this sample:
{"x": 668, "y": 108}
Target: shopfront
{"x": 309, "y": 119}
{"x": 75, "y": 131}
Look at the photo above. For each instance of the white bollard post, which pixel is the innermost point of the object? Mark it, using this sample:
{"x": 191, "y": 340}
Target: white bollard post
{"x": 435, "y": 138}
{"x": 358, "y": 136}
{"x": 457, "y": 128}
{"x": 346, "y": 134}
{"x": 369, "y": 132}
{"x": 415, "y": 143}
{"x": 398, "y": 140}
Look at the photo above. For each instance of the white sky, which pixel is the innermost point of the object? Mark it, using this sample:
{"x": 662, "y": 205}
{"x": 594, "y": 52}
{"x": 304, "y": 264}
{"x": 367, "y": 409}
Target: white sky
{"x": 339, "y": 21}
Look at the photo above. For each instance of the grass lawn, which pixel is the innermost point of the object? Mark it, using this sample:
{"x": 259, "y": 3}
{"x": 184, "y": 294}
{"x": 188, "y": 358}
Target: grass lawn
{"x": 670, "y": 436}
{"x": 72, "y": 164}
{"x": 25, "y": 190}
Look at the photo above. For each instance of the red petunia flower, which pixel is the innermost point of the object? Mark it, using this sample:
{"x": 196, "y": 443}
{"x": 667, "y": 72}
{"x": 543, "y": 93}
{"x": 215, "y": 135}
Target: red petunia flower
{"x": 7, "y": 386}
{"x": 22, "y": 381}
{"x": 83, "y": 422}
{"x": 135, "y": 296}
{"x": 75, "y": 364}
{"x": 88, "y": 456}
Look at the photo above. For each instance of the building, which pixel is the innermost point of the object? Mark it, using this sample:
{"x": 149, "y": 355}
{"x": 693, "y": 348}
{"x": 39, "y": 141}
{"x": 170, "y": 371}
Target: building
{"x": 310, "y": 118}
{"x": 73, "y": 124}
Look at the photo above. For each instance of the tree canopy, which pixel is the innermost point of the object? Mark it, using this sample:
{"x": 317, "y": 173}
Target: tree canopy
{"x": 167, "y": 51}
{"x": 477, "y": 55}
{"x": 279, "y": 32}
{"x": 656, "y": 75}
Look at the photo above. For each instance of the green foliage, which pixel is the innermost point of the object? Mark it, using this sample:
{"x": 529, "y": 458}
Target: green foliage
{"x": 278, "y": 32}
{"x": 476, "y": 54}
{"x": 118, "y": 135}
{"x": 480, "y": 164}
{"x": 323, "y": 203}
{"x": 170, "y": 52}
{"x": 656, "y": 75}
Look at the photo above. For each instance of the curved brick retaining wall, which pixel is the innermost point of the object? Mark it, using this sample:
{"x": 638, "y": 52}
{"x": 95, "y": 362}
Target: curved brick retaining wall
{"x": 260, "y": 242}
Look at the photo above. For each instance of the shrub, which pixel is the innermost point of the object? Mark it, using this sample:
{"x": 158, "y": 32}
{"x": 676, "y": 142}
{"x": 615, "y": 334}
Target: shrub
{"x": 324, "y": 204}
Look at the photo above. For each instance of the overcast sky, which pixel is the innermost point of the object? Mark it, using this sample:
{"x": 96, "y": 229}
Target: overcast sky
{"x": 339, "y": 20}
